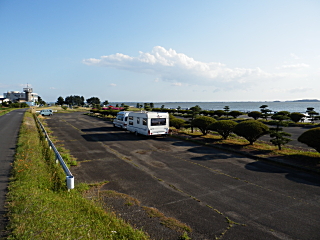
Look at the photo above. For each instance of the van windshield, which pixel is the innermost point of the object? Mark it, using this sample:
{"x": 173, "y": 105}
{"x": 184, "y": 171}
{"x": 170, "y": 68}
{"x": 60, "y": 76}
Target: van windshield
{"x": 158, "y": 121}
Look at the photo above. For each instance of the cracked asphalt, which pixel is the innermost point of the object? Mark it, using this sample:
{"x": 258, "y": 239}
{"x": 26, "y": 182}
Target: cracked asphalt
{"x": 218, "y": 194}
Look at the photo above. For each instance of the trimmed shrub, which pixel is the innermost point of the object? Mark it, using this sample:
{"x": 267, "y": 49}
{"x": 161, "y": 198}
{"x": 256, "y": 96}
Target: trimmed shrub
{"x": 311, "y": 138}
{"x": 296, "y": 116}
{"x": 177, "y": 122}
{"x": 255, "y": 115}
{"x": 251, "y": 130}
{"x": 203, "y": 123}
{"x": 235, "y": 114}
{"x": 219, "y": 113}
{"x": 223, "y": 127}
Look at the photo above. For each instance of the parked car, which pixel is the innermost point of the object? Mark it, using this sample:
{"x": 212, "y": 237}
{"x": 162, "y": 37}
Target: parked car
{"x": 46, "y": 112}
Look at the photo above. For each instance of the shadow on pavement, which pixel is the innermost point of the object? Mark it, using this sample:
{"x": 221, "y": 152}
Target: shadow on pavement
{"x": 209, "y": 154}
{"x": 299, "y": 177}
{"x": 120, "y": 135}
{"x": 184, "y": 144}
{"x": 107, "y": 137}
{"x": 305, "y": 180}
{"x": 264, "y": 167}
{"x": 101, "y": 129}
{"x": 211, "y": 157}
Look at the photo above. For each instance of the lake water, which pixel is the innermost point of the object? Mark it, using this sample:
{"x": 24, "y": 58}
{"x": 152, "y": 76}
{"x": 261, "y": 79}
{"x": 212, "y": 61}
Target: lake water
{"x": 239, "y": 106}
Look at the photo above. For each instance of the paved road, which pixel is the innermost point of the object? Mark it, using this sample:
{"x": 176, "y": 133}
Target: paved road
{"x": 202, "y": 187}
{"x": 9, "y": 129}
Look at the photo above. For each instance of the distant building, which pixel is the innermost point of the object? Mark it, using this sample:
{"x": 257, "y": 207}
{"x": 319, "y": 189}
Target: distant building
{"x": 27, "y": 96}
{"x": 3, "y": 99}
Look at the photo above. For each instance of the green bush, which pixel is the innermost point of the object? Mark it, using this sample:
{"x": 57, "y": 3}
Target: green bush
{"x": 251, "y": 130}
{"x": 203, "y": 123}
{"x": 255, "y": 115}
{"x": 18, "y": 105}
{"x": 311, "y": 138}
{"x": 223, "y": 127}
{"x": 235, "y": 114}
{"x": 177, "y": 122}
{"x": 219, "y": 113}
{"x": 296, "y": 116}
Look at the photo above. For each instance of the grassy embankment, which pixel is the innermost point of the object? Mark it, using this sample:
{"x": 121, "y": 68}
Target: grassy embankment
{"x": 40, "y": 207}
{"x": 4, "y": 111}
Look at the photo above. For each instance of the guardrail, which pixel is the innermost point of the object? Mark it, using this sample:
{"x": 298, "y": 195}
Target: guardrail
{"x": 69, "y": 176}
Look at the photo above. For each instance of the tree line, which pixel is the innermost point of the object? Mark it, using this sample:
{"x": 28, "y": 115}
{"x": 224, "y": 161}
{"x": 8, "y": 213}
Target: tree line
{"x": 75, "y": 100}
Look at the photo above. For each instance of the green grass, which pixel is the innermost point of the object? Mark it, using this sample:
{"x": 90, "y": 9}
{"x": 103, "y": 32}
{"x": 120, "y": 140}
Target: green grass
{"x": 4, "y": 111}
{"x": 39, "y": 205}
{"x": 61, "y": 110}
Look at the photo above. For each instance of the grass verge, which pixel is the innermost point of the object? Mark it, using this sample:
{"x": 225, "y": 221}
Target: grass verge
{"x": 4, "y": 111}
{"x": 39, "y": 205}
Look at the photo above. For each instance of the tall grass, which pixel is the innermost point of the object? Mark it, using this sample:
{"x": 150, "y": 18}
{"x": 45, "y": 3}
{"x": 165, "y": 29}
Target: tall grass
{"x": 40, "y": 207}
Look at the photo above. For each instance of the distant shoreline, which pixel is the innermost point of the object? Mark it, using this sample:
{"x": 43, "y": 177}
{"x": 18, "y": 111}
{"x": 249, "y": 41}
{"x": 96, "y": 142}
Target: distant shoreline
{"x": 306, "y": 100}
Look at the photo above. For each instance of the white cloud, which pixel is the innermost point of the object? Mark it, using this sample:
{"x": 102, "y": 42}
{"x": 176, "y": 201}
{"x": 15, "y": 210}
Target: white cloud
{"x": 299, "y": 90}
{"x": 291, "y": 90}
{"x": 294, "y": 56}
{"x": 178, "y": 84}
{"x": 52, "y": 88}
{"x": 168, "y": 65}
{"x": 294, "y": 66}
{"x": 113, "y": 84}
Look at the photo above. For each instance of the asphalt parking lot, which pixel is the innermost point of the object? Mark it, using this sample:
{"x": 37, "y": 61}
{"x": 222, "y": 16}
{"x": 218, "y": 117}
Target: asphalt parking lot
{"x": 218, "y": 194}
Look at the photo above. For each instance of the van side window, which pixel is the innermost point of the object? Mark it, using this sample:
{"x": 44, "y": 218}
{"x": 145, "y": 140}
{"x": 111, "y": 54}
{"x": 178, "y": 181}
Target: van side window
{"x": 130, "y": 123}
{"x": 130, "y": 118}
{"x": 126, "y": 118}
{"x": 138, "y": 120}
{"x": 144, "y": 121}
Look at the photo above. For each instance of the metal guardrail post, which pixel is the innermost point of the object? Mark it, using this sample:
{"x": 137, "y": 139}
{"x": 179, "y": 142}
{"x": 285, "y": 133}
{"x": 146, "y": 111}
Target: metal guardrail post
{"x": 69, "y": 176}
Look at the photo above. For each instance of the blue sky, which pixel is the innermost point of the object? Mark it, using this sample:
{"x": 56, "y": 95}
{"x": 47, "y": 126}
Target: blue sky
{"x": 158, "y": 51}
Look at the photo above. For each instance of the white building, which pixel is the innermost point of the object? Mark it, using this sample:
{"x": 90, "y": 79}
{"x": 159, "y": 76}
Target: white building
{"x": 27, "y": 96}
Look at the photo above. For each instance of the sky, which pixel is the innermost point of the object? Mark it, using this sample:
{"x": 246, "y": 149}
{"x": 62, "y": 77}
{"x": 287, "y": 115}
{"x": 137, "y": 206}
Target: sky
{"x": 162, "y": 51}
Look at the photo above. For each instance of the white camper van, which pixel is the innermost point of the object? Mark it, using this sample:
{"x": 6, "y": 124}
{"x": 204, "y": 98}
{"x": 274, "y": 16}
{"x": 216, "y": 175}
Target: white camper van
{"x": 121, "y": 120}
{"x": 148, "y": 123}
